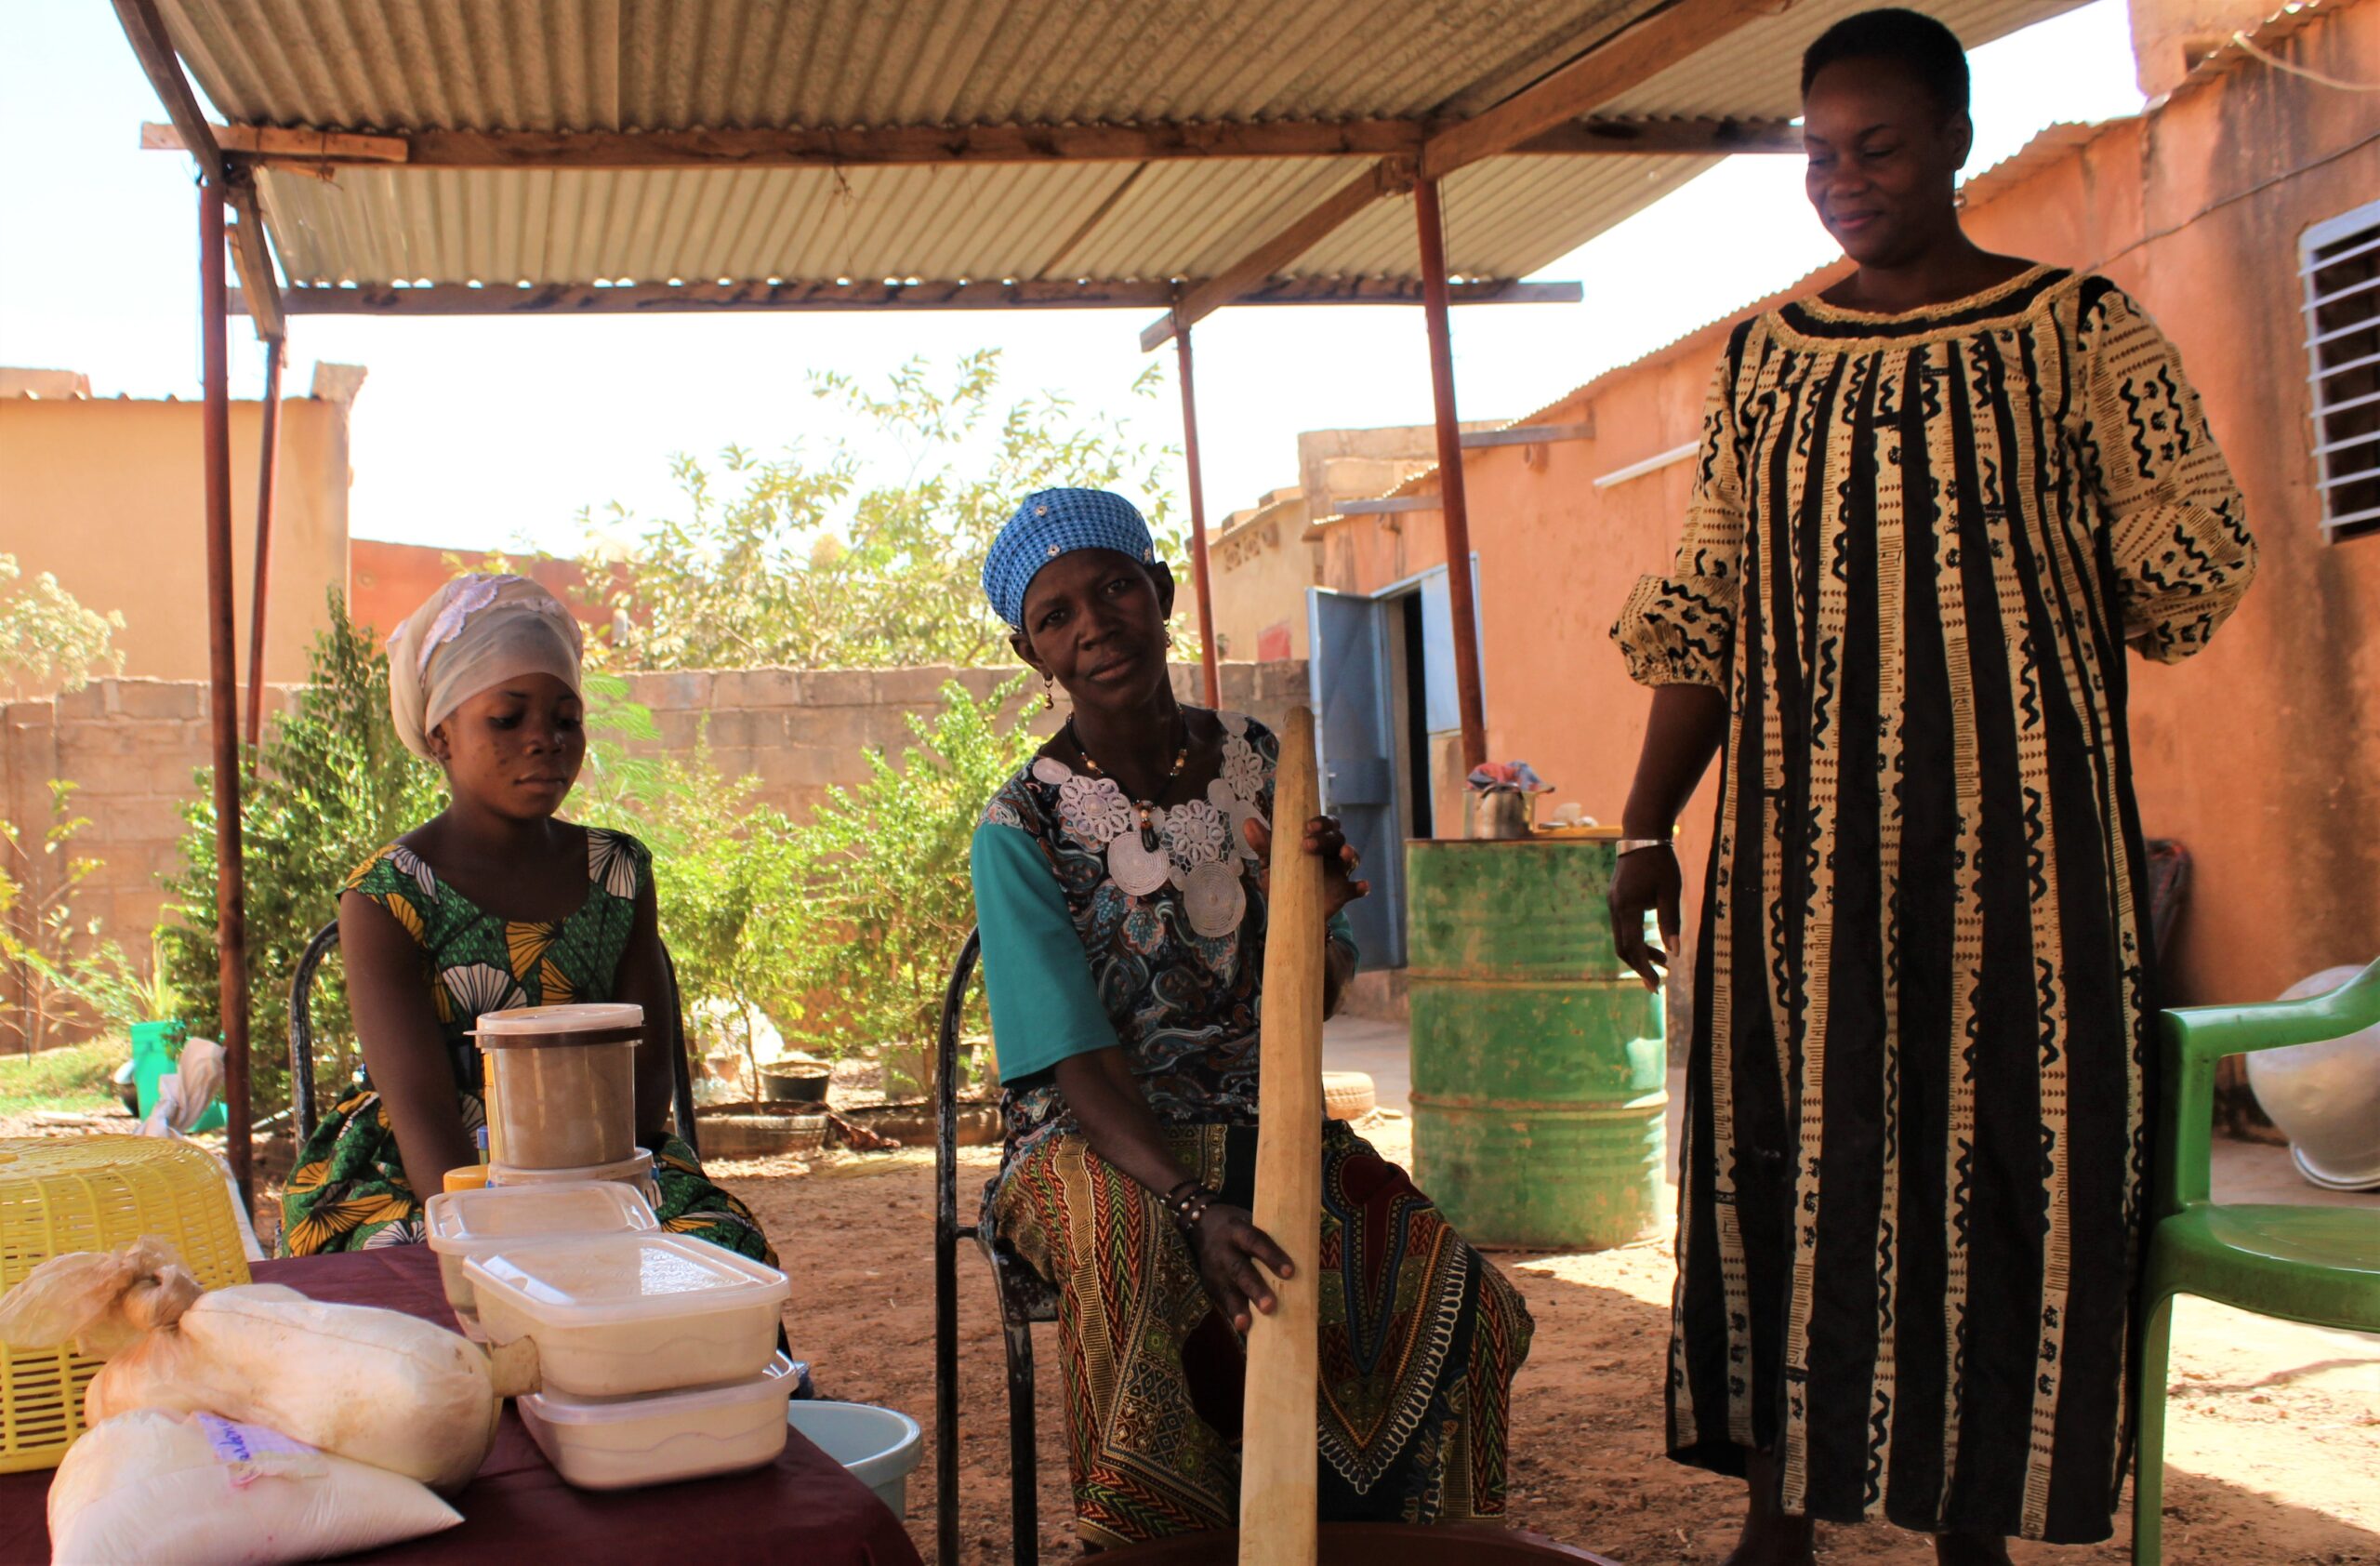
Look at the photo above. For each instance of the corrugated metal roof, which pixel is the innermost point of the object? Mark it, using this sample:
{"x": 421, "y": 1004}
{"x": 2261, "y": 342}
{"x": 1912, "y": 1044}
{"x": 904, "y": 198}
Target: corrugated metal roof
{"x": 395, "y": 65}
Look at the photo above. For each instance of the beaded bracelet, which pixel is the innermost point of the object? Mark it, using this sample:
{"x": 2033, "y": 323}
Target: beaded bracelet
{"x": 1188, "y": 1202}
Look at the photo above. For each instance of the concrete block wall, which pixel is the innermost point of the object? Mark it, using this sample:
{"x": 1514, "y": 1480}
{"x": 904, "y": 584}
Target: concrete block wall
{"x": 133, "y": 747}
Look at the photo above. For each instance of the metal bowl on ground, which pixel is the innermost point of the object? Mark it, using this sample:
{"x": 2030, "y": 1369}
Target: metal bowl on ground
{"x": 795, "y": 1084}
{"x": 2325, "y": 1097}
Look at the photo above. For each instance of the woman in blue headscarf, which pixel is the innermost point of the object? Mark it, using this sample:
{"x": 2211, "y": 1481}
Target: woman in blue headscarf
{"x": 1120, "y": 887}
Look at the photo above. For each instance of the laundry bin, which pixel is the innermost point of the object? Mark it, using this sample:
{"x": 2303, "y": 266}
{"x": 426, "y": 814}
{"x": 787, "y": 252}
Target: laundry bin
{"x": 880, "y": 1446}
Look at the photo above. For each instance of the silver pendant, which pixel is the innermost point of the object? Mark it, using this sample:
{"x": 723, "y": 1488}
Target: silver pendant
{"x": 1138, "y": 871}
{"x": 1215, "y": 898}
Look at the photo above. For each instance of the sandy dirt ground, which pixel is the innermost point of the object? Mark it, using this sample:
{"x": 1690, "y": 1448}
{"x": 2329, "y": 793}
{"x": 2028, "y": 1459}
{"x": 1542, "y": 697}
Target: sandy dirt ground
{"x": 2273, "y": 1438}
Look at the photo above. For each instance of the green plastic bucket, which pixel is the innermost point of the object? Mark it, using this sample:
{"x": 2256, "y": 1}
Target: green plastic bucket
{"x": 157, "y": 1050}
{"x": 1540, "y": 1065}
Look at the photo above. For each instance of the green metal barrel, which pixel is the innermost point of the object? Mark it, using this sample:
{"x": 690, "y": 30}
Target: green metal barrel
{"x": 1539, "y": 1068}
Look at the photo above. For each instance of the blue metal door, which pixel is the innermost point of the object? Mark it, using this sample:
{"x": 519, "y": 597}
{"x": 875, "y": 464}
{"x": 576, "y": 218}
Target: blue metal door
{"x": 1356, "y": 746}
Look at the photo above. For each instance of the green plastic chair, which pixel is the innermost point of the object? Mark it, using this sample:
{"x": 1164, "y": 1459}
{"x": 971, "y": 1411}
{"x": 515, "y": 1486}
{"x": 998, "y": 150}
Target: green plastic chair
{"x": 2316, "y": 1265}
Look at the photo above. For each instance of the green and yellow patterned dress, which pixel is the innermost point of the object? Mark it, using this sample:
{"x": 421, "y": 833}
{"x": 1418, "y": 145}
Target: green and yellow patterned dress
{"x": 350, "y": 1190}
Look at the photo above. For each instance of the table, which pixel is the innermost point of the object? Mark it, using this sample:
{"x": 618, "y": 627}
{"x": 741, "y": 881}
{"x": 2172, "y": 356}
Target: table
{"x": 804, "y": 1507}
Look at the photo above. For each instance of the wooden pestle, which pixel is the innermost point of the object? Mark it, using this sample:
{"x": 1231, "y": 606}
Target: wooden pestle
{"x": 1279, "y": 1456}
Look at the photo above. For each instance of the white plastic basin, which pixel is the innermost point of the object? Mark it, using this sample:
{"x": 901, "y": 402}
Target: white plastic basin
{"x": 881, "y": 1446}
{"x": 617, "y": 1314}
{"x": 480, "y": 1223}
{"x": 617, "y": 1443}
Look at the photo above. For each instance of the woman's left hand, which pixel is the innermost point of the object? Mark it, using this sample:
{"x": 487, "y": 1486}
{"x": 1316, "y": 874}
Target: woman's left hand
{"x": 1325, "y": 839}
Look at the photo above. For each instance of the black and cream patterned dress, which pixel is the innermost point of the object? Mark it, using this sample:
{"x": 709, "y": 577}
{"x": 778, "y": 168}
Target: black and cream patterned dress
{"x": 1915, "y": 1151}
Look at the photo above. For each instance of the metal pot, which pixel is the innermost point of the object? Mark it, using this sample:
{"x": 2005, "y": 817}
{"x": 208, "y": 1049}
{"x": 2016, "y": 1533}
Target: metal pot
{"x": 1496, "y": 813}
{"x": 2325, "y": 1097}
{"x": 794, "y": 1084}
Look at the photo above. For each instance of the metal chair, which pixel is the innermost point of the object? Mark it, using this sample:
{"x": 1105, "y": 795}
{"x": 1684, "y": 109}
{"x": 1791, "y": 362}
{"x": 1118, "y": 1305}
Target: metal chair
{"x": 2316, "y": 1265}
{"x": 1024, "y": 1297}
{"x": 301, "y": 1041}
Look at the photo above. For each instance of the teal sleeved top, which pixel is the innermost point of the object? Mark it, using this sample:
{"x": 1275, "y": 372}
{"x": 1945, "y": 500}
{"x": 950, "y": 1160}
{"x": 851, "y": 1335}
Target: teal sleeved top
{"x": 1044, "y": 1006}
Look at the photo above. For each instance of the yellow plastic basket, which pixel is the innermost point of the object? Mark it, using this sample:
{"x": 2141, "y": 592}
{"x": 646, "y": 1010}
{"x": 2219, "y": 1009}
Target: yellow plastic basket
{"x": 96, "y": 1193}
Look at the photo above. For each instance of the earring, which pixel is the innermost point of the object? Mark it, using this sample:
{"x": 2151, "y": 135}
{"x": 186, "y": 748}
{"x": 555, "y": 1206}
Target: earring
{"x": 1049, "y": 694}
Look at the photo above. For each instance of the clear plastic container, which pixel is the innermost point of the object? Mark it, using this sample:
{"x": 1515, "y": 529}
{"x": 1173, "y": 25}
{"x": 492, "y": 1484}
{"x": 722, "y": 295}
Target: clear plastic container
{"x": 560, "y": 1083}
{"x": 463, "y": 1223}
{"x": 616, "y": 1443}
{"x": 617, "y": 1314}
{"x": 636, "y": 1173}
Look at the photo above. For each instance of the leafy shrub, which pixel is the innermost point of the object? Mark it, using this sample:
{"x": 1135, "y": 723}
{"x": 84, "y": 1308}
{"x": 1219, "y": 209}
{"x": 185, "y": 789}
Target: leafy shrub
{"x": 43, "y": 933}
{"x": 888, "y": 894}
{"x": 332, "y": 785}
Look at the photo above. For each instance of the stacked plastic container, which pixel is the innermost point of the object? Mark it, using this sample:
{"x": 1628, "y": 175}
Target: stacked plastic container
{"x": 560, "y": 1093}
{"x": 657, "y": 1352}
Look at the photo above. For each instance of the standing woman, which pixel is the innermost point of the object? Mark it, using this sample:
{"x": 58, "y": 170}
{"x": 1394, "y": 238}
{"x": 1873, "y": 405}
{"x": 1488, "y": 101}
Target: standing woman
{"x": 1120, "y": 888}
{"x": 1933, "y": 506}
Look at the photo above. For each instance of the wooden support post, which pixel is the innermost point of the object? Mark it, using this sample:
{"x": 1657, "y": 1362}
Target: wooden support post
{"x": 1201, "y": 572}
{"x": 231, "y": 919}
{"x": 1450, "y": 493}
{"x": 268, "y": 485}
{"x": 1280, "y": 1455}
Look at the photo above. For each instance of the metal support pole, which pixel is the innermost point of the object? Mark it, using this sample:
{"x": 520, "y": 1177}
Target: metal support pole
{"x": 268, "y": 487}
{"x": 1200, "y": 572}
{"x": 1450, "y": 494}
{"x": 231, "y": 920}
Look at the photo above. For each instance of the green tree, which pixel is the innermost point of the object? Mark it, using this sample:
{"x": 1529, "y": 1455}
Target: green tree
{"x": 332, "y": 784}
{"x": 799, "y": 561}
{"x": 49, "y": 641}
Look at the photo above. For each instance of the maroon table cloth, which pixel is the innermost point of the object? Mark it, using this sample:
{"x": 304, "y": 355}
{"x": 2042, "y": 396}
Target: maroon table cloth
{"x": 804, "y": 1509}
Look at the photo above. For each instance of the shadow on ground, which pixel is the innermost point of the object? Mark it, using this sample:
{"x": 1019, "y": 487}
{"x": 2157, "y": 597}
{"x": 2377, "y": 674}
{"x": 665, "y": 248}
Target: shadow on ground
{"x": 1587, "y": 1465}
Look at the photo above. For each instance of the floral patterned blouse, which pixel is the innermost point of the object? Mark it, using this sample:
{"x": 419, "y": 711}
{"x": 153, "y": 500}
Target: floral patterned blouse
{"x": 1098, "y": 934}
{"x": 475, "y": 962}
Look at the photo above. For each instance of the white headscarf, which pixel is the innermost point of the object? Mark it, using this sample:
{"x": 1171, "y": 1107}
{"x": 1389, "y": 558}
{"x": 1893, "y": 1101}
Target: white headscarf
{"x": 475, "y": 632}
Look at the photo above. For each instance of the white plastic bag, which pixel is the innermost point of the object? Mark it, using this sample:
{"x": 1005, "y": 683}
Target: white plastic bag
{"x": 376, "y": 1386}
{"x": 196, "y": 1489}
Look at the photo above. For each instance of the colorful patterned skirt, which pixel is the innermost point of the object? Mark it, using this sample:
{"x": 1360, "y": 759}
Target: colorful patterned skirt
{"x": 350, "y": 1190}
{"x": 1421, "y": 1338}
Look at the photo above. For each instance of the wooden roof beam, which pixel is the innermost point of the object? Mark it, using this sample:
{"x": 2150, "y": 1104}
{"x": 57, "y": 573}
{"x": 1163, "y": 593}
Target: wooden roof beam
{"x": 1284, "y": 247}
{"x": 573, "y": 300}
{"x": 1626, "y": 58}
{"x": 275, "y": 146}
{"x": 271, "y": 143}
{"x": 154, "y": 46}
{"x": 145, "y": 29}
{"x": 253, "y": 257}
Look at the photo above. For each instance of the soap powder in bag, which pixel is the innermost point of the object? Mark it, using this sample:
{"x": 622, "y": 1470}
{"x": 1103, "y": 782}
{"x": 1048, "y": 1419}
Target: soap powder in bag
{"x": 198, "y": 1490}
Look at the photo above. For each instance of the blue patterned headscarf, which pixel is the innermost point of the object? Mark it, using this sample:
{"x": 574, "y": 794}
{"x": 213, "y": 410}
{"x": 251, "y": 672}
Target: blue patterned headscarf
{"x": 1055, "y": 521}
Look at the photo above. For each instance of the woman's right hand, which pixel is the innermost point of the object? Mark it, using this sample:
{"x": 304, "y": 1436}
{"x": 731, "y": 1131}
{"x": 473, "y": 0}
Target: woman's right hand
{"x": 1228, "y": 1246}
{"x": 1645, "y": 882}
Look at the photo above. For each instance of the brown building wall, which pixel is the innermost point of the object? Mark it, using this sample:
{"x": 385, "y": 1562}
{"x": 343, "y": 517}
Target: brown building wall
{"x": 107, "y": 495}
{"x": 2262, "y": 754}
{"x": 388, "y": 581}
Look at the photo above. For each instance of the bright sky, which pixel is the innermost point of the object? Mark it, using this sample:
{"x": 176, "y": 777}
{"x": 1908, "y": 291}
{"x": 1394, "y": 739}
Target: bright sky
{"x": 485, "y": 433}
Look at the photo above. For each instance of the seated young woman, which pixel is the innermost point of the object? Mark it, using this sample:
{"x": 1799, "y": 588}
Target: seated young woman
{"x": 493, "y": 904}
{"x": 1120, "y": 889}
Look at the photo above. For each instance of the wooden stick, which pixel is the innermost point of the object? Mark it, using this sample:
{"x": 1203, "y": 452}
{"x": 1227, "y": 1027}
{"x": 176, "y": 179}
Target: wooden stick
{"x": 1279, "y": 1456}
